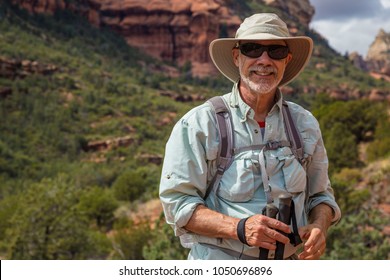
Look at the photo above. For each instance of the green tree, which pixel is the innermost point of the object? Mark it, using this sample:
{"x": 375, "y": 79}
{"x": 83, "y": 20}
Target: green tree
{"x": 47, "y": 224}
{"x": 129, "y": 239}
{"x": 341, "y": 146}
{"x": 99, "y": 204}
{"x": 359, "y": 237}
{"x": 163, "y": 244}
{"x": 349, "y": 198}
{"x": 380, "y": 147}
{"x": 345, "y": 125}
{"x": 130, "y": 185}
{"x": 8, "y": 207}
{"x": 359, "y": 116}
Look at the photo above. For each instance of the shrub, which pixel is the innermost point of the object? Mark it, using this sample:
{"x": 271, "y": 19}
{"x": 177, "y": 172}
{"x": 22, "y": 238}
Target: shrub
{"x": 129, "y": 186}
{"x": 129, "y": 239}
{"x": 47, "y": 224}
{"x": 359, "y": 237}
{"x": 99, "y": 205}
{"x": 348, "y": 197}
{"x": 163, "y": 244}
{"x": 379, "y": 148}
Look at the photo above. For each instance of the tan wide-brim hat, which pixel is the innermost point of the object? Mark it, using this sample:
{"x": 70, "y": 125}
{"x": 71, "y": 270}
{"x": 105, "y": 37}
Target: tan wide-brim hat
{"x": 264, "y": 26}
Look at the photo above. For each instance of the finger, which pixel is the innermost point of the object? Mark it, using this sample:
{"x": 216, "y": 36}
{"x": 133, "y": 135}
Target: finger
{"x": 311, "y": 256}
{"x": 267, "y": 245}
{"x": 262, "y": 222}
{"x": 314, "y": 238}
{"x": 277, "y": 225}
{"x": 267, "y": 237}
{"x": 257, "y": 236}
{"x": 304, "y": 232}
{"x": 276, "y": 236}
{"x": 314, "y": 252}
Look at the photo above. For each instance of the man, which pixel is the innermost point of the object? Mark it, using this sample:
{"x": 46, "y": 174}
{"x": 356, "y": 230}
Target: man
{"x": 229, "y": 223}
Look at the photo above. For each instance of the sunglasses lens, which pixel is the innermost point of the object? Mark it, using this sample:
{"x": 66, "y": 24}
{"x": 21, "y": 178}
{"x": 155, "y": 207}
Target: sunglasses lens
{"x": 254, "y": 50}
{"x": 251, "y": 50}
{"x": 277, "y": 52}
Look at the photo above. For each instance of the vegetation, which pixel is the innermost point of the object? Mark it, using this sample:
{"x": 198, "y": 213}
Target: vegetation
{"x": 63, "y": 198}
{"x": 357, "y": 122}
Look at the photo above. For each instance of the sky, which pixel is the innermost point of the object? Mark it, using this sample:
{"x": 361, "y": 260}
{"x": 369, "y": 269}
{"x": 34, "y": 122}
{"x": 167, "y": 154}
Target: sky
{"x": 350, "y": 25}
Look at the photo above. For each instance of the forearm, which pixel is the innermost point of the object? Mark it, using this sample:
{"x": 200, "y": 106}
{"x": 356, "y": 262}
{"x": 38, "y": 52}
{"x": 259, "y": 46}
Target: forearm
{"x": 260, "y": 231}
{"x": 322, "y": 216}
{"x": 207, "y": 222}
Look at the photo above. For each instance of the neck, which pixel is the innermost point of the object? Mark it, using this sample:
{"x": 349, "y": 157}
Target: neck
{"x": 261, "y": 103}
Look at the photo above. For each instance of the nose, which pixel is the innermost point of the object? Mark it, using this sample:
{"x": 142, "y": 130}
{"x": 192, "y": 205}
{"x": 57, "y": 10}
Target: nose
{"x": 263, "y": 58}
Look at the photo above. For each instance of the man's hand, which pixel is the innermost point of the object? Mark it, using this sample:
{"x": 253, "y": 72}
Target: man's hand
{"x": 262, "y": 231}
{"x": 314, "y": 242}
{"x": 314, "y": 234}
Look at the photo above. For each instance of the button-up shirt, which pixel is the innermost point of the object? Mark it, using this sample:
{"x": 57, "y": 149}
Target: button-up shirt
{"x": 190, "y": 164}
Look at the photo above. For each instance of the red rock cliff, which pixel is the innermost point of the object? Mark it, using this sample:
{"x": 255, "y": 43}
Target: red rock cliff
{"x": 173, "y": 30}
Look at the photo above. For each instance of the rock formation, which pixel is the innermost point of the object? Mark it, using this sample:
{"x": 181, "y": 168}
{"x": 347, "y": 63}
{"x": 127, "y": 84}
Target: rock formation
{"x": 19, "y": 69}
{"x": 377, "y": 61}
{"x": 300, "y": 9}
{"x": 12, "y": 68}
{"x": 41, "y": 6}
{"x": 358, "y": 61}
{"x": 378, "y": 56}
{"x": 177, "y": 31}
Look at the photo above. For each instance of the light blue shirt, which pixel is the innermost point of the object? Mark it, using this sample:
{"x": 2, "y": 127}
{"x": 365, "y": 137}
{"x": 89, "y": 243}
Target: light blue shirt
{"x": 190, "y": 163}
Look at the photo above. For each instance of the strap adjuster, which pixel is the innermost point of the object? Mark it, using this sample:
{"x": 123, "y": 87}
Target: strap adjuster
{"x": 272, "y": 145}
{"x": 220, "y": 170}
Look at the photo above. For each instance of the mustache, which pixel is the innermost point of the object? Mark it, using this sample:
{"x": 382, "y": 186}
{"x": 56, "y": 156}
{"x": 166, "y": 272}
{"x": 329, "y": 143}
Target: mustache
{"x": 261, "y": 68}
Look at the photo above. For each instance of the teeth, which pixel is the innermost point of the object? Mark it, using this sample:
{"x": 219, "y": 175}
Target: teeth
{"x": 263, "y": 73}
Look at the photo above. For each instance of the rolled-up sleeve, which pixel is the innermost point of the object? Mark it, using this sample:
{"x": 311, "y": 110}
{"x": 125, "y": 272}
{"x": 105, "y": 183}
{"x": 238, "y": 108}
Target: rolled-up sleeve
{"x": 319, "y": 187}
{"x": 184, "y": 175}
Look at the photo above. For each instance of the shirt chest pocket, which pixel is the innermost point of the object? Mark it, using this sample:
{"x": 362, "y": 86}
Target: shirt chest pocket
{"x": 238, "y": 182}
{"x": 285, "y": 171}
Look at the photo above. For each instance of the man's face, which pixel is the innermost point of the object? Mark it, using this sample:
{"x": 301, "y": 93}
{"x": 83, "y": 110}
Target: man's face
{"x": 263, "y": 74}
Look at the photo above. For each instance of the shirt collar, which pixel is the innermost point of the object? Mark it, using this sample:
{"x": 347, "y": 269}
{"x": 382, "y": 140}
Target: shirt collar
{"x": 244, "y": 110}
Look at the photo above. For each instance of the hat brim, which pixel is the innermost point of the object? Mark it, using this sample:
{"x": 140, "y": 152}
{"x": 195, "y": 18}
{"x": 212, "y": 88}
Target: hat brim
{"x": 300, "y": 47}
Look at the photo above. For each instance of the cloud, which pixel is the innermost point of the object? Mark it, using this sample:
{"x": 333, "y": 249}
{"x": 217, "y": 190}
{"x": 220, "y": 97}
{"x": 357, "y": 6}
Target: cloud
{"x": 346, "y": 9}
{"x": 348, "y": 37}
{"x": 385, "y": 3}
{"x": 351, "y": 25}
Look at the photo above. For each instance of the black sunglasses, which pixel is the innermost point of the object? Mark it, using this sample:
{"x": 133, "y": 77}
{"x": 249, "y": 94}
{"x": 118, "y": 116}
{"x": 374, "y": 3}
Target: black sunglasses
{"x": 255, "y": 50}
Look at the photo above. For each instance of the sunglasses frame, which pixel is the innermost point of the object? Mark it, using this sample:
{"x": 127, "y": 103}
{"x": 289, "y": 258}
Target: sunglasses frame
{"x": 263, "y": 48}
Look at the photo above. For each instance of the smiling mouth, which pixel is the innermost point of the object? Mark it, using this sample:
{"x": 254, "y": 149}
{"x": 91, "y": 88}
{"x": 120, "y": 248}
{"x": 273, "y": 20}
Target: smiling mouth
{"x": 263, "y": 74}
{"x": 263, "y": 71}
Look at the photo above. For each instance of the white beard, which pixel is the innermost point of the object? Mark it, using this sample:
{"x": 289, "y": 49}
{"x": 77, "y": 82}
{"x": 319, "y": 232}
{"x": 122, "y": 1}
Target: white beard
{"x": 262, "y": 87}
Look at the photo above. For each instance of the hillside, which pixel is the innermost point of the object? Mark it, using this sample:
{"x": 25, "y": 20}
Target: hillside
{"x": 178, "y": 32}
{"x": 84, "y": 122}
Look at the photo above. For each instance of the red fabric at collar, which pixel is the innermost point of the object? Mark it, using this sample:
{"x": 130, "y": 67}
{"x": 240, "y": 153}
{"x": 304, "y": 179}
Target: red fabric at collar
{"x": 261, "y": 124}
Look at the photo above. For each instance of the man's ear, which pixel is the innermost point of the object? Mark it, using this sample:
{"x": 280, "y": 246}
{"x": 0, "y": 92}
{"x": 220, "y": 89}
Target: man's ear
{"x": 288, "y": 58}
{"x": 235, "y": 53}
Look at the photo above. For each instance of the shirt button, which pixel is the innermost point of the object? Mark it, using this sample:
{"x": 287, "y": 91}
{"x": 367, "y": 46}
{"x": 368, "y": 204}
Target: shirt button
{"x": 256, "y": 131}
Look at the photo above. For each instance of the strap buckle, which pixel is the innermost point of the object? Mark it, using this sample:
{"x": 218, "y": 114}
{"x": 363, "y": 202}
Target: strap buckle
{"x": 272, "y": 145}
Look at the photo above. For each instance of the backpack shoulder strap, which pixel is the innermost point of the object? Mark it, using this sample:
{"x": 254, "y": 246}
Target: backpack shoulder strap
{"x": 225, "y": 132}
{"x": 293, "y": 135}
